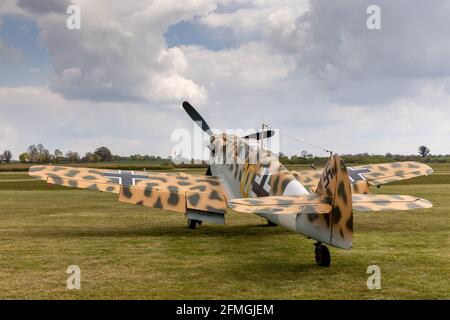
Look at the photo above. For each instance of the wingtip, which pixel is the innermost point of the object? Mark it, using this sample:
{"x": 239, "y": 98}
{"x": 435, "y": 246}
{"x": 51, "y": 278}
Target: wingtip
{"x": 36, "y": 168}
{"x": 39, "y": 172}
{"x": 426, "y": 168}
{"x": 425, "y": 203}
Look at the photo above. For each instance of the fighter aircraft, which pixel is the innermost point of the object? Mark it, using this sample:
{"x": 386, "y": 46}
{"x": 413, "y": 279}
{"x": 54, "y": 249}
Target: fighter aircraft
{"x": 316, "y": 204}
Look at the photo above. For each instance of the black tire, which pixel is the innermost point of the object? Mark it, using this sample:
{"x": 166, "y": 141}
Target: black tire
{"x": 271, "y": 224}
{"x": 322, "y": 254}
{"x": 192, "y": 224}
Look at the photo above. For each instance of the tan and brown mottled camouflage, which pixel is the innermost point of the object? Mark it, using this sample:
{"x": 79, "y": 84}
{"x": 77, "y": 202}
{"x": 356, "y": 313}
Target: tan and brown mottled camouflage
{"x": 371, "y": 202}
{"x": 360, "y": 187}
{"x": 241, "y": 175}
{"x": 309, "y": 203}
{"x": 391, "y": 172}
{"x": 308, "y": 178}
{"x": 204, "y": 197}
{"x": 170, "y": 191}
{"x": 334, "y": 186}
{"x": 378, "y": 174}
{"x": 84, "y": 178}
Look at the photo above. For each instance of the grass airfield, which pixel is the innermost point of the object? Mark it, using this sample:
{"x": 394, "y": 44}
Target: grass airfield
{"x": 133, "y": 252}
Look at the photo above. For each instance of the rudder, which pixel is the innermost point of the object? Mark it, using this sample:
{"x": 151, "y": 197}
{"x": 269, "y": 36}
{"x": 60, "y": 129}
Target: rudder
{"x": 334, "y": 184}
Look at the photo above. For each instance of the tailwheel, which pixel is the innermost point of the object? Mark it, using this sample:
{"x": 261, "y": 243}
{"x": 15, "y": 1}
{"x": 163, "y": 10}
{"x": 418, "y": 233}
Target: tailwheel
{"x": 193, "y": 223}
{"x": 322, "y": 253}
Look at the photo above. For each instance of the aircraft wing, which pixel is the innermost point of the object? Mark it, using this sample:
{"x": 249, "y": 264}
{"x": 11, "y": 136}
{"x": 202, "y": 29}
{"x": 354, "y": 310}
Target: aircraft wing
{"x": 374, "y": 202}
{"x": 171, "y": 191}
{"x": 378, "y": 174}
{"x": 309, "y": 203}
{"x": 374, "y": 175}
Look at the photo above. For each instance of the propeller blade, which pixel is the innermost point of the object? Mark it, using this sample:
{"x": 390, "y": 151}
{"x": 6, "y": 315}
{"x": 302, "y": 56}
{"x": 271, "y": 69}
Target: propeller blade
{"x": 260, "y": 135}
{"x": 198, "y": 119}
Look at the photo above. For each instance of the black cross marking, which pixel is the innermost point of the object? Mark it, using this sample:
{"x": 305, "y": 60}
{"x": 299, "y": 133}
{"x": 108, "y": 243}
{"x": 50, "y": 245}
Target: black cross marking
{"x": 259, "y": 189}
{"x": 356, "y": 174}
{"x": 328, "y": 176}
{"x": 126, "y": 178}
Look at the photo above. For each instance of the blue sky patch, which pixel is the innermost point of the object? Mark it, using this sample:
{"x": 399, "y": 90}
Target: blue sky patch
{"x": 193, "y": 33}
{"x": 22, "y": 34}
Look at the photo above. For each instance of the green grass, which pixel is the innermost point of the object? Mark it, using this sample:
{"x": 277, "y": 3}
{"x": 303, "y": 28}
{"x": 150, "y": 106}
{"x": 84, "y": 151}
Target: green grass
{"x": 133, "y": 252}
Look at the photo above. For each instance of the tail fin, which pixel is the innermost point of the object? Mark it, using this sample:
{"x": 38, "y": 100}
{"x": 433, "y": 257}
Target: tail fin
{"x": 334, "y": 185}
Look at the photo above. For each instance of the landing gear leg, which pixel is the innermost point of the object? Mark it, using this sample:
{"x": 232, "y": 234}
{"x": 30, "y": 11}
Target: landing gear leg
{"x": 322, "y": 253}
{"x": 193, "y": 223}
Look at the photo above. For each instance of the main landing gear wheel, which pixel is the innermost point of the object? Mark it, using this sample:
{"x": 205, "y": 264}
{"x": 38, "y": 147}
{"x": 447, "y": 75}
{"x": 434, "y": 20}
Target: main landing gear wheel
{"x": 322, "y": 253}
{"x": 193, "y": 223}
{"x": 271, "y": 224}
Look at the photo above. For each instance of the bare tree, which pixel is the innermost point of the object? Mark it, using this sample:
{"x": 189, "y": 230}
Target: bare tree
{"x": 45, "y": 156}
{"x": 33, "y": 153}
{"x": 7, "y": 156}
{"x": 58, "y": 155}
{"x": 305, "y": 154}
{"x": 73, "y": 157}
{"x": 424, "y": 151}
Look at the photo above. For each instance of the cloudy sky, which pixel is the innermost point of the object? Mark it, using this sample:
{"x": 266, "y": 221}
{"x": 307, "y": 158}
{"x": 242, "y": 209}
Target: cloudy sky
{"x": 309, "y": 68}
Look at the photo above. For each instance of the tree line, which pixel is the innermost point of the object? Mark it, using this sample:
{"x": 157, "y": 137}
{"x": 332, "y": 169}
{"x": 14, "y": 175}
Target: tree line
{"x": 423, "y": 155}
{"x": 39, "y": 154}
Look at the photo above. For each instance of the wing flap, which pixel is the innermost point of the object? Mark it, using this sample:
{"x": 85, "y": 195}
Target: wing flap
{"x": 310, "y": 203}
{"x": 210, "y": 199}
{"x": 155, "y": 198}
{"x": 366, "y": 202}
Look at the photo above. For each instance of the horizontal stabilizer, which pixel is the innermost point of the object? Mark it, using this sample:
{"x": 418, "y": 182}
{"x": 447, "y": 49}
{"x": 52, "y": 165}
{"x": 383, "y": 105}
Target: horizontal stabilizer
{"x": 371, "y": 202}
{"x": 309, "y": 203}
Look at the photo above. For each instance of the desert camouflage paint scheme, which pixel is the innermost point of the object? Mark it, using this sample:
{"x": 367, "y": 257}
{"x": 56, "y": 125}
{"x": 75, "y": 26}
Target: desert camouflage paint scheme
{"x": 317, "y": 204}
{"x": 362, "y": 177}
{"x": 170, "y": 191}
{"x": 369, "y": 202}
{"x": 310, "y": 203}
